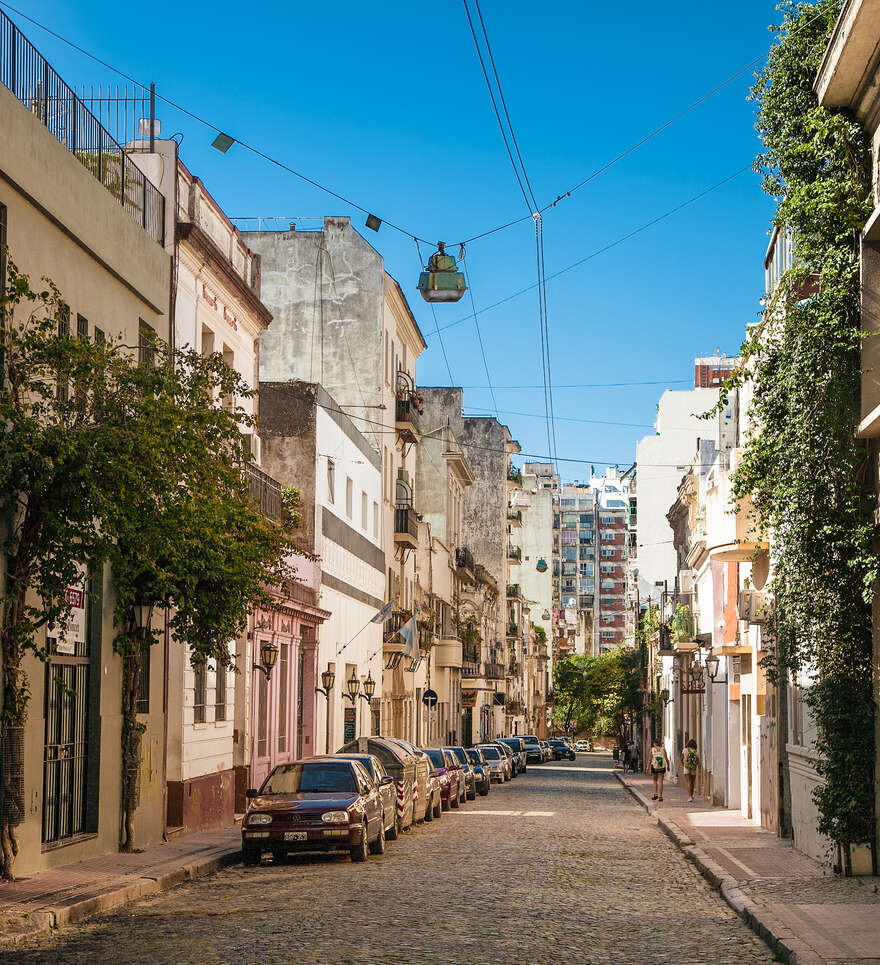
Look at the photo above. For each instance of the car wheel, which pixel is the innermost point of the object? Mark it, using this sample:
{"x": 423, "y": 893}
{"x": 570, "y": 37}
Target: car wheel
{"x": 428, "y": 814}
{"x": 453, "y": 800}
{"x": 360, "y": 851}
{"x": 393, "y": 833}
{"x": 438, "y": 810}
{"x": 378, "y": 846}
{"x": 444, "y": 804}
{"x": 471, "y": 795}
{"x": 485, "y": 790}
{"x": 251, "y": 856}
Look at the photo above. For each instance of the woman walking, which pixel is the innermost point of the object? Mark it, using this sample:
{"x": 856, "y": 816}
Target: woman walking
{"x": 659, "y": 766}
{"x": 690, "y": 761}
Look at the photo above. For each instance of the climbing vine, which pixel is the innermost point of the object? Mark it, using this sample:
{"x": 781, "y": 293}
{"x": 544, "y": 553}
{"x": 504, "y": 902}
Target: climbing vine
{"x": 807, "y": 474}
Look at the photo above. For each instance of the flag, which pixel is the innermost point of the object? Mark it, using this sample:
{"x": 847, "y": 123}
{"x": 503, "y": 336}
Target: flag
{"x": 408, "y": 635}
{"x": 384, "y": 615}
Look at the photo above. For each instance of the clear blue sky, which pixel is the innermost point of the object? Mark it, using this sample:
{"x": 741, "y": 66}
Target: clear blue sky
{"x": 386, "y": 104}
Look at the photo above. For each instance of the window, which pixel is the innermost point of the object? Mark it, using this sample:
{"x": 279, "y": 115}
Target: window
{"x": 283, "y": 674}
{"x": 365, "y": 512}
{"x": 82, "y": 326}
{"x": 349, "y": 497}
{"x": 586, "y": 519}
{"x": 331, "y": 481}
{"x": 607, "y": 537}
{"x": 607, "y": 567}
{"x": 608, "y": 553}
{"x": 220, "y": 694}
{"x": 99, "y": 334}
{"x": 200, "y": 692}
{"x": 375, "y": 521}
{"x": 146, "y": 346}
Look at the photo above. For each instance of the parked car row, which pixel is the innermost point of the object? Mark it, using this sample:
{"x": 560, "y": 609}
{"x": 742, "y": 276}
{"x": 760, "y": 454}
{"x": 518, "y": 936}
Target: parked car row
{"x": 371, "y": 790}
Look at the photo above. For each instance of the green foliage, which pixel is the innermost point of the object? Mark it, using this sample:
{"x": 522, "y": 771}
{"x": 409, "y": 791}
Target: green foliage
{"x": 802, "y": 466}
{"x": 540, "y": 635}
{"x": 135, "y": 464}
{"x": 596, "y": 693}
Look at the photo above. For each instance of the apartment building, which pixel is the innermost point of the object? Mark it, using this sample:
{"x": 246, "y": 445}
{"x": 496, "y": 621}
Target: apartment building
{"x": 65, "y": 215}
{"x": 610, "y": 617}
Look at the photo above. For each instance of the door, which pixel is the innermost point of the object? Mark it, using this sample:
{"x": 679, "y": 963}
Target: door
{"x": 746, "y": 711}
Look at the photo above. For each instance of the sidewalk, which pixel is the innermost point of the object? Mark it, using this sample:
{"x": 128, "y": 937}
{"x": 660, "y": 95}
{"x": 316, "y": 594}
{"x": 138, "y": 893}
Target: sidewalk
{"x": 803, "y": 911}
{"x": 70, "y": 892}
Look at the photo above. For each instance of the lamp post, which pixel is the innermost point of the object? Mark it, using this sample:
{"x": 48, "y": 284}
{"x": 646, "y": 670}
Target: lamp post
{"x": 369, "y": 687}
{"x": 712, "y": 669}
{"x": 328, "y": 678}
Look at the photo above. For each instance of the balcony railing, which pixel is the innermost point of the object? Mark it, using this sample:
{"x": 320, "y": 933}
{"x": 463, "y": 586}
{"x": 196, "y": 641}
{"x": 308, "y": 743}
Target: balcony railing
{"x": 514, "y": 554}
{"x": 514, "y": 475}
{"x": 514, "y": 708}
{"x": 464, "y": 559}
{"x": 514, "y": 516}
{"x": 513, "y": 629}
{"x": 266, "y": 491}
{"x": 405, "y": 523}
{"x": 407, "y": 418}
{"x": 27, "y": 74}
{"x": 513, "y": 590}
{"x": 469, "y": 669}
{"x": 470, "y": 652}
{"x": 514, "y": 668}
{"x": 495, "y": 671}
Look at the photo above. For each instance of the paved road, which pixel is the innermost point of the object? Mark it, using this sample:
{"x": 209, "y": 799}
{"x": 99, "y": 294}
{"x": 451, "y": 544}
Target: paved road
{"x": 559, "y": 866}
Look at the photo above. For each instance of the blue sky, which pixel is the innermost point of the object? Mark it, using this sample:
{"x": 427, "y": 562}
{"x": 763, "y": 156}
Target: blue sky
{"x": 386, "y": 104}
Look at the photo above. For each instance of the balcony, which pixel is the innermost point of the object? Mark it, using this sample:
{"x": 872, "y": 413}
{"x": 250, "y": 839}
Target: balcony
{"x": 470, "y": 651}
{"x": 514, "y": 668}
{"x": 494, "y": 671}
{"x": 448, "y": 652}
{"x": 25, "y": 72}
{"x": 408, "y": 408}
{"x": 512, "y": 631}
{"x": 464, "y": 562}
{"x": 515, "y": 708}
{"x": 514, "y": 555}
{"x": 514, "y": 478}
{"x": 514, "y": 517}
{"x": 266, "y": 491}
{"x": 513, "y": 592}
{"x": 471, "y": 670}
{"x": 406, "y": 527}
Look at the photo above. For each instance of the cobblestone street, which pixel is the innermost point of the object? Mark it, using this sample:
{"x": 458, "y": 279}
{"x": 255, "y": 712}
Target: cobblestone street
{"x": 558, "y": 866}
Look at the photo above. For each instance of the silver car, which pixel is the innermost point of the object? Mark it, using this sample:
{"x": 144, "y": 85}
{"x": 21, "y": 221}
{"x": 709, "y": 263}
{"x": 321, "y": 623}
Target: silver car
{"x": 496, "y": 762}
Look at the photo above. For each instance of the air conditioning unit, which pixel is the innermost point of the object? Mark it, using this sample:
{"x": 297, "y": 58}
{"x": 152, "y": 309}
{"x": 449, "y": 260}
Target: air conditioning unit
{"x": 686, "y": 581}
{"x": 753, "y": 606}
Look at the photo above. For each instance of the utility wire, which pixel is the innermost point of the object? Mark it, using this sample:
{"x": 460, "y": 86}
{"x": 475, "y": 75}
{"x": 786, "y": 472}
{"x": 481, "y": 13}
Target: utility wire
{"x": 479, "y": 335}
{"x": 613, "y": 244}
{"x": 436, "y": 322}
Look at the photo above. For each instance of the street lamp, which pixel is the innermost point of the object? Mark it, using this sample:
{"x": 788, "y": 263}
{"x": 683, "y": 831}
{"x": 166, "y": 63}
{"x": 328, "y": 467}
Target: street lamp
{"x": 328, "y": 678}
{"x": 354, "y": 686}
{"x": 140, "y": 617}
{"x": 268, "y": 656}
{"x": 369, "y": 688}
{"x": 664, "y": 696}
{"x": 712, "y": 669}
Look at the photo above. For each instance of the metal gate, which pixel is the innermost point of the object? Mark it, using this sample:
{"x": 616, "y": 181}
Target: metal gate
{"x": 65, "y": 765}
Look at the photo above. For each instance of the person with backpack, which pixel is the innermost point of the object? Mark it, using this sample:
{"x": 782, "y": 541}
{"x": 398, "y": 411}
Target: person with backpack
{"x": 659, "y": 767}
{"x": 690, "y": 761}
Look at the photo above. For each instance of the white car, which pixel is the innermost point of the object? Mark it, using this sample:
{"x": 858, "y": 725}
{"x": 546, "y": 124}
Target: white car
{"x": 582, "y": 746}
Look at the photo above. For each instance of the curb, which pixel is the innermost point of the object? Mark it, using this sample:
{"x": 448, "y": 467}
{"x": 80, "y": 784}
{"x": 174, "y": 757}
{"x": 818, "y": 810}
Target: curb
{"x": 46, "y": 920}
{"x": 780, "y": 939}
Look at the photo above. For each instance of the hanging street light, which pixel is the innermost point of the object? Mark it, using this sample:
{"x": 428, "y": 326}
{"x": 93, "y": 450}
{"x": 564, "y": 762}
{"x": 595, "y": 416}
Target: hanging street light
{"x": 442, "y": 282}
{"x": 140, "y": 617}
{"x": 328, "y": 678}
{"x": 354, "y": 686}
{"x": 369, "y": 688}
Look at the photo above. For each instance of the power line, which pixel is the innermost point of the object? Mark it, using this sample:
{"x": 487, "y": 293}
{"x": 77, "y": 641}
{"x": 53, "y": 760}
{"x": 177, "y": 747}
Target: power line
{"x": 436, "y": 322}
{"x": 588, "y": 385}
{"x": 595, "y": 422}
{"x": 613, "y": 244}
{"x": 479, "y": 334}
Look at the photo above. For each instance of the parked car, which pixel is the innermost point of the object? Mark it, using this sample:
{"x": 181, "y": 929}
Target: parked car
{"x": 512, "y": 758}
{"x": 399, "y": 763}
{"x": 582, "y": 746}
{"x": 534, "y": 752}
{"x": 561, "y": 750}
{"x": 517, "y": 745}
{"x": 495, "y": 761}
{"x": 317, "y": 804}
{"x": 482, "y": 777}
{"x": 461, "y": 773}
{"x": 505, "y": 758}
{"x": 423, "y": 799}
{"x": 387, "y": 790}
{"x": 470, "y": 789}
{"x": 545, "y": 750}
{"x": 447, "y": 770}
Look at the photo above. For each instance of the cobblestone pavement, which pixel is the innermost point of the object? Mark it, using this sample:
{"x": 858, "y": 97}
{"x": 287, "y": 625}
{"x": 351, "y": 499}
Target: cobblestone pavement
{"x": 559, "y": 866}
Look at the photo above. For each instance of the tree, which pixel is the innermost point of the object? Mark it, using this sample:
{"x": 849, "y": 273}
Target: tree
{"x": 105, "y": 458}
{"x": 598, "y": 693}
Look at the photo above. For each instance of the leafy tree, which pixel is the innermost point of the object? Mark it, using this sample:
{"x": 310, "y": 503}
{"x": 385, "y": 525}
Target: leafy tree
{"x": 803, "y": 466}
{"x": 598, "y": 693}
{"x": 103, "y": 458}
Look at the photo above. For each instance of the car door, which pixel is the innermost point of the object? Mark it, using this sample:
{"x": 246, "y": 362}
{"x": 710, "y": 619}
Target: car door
{"x": 387, "y": 792}
{"x": 372, "y": 804}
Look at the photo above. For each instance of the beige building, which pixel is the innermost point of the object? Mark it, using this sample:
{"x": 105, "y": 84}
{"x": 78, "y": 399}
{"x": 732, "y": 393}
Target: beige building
{"x": 95, "y": 225}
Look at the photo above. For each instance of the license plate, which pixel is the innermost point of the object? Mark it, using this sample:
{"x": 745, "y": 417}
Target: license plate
{"x": 296, "y": 836}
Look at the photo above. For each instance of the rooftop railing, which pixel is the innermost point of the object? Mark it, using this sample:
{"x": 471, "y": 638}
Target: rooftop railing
{"x": 27, "y": 74}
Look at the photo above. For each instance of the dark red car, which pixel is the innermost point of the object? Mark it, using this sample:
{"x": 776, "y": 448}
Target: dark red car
{"x": 317, "y": 804}
{"x": 447, "y": 770}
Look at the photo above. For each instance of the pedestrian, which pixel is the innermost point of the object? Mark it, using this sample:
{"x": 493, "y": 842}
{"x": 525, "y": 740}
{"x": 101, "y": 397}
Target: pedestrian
{"x": 690, "y": 761}
{"x": 633, "y": 756}
{"x": 626, "y": 758}
{"x": 659, "y": 766}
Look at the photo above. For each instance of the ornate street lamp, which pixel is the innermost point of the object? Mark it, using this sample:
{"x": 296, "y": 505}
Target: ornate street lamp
{"x": 354, "y": 686}
{"x": 712, "y": 668}
{"x": 664, "y": 696}
{"x": 268, "y": 657}
{"x": 328, "y": 678}
{"x": 141, "y": 614}
{"x": 369, "y": 688}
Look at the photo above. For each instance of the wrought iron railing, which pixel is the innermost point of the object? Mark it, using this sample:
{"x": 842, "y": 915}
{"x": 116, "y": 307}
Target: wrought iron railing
{"x": 464, "y": 559}
{"x": 514, "y": 515}
{"x": 405, "y": 522}
{"x": 27, "y": 74}
{"x": 514, "y": 553}
{"x": 407, "y": 412}
{"x": 266, "y": 491}
{"x": 495, "y": 671}
{"x": 513, "y": 590}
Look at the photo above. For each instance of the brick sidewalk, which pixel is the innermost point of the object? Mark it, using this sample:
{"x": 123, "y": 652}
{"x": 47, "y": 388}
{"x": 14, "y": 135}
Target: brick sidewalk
{"x": 70, "y": 892}
{"x": 805, "y": 912}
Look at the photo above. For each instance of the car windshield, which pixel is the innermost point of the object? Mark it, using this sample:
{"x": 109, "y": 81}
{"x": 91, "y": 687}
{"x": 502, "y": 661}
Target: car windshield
{"x": 436, "y": 756}
{"x": 558, "y": 743}
{"x": 475, "y": 756}
{"x": 459, "y": 754}
{"x": 531, "y": 741}
{"x": 491, "y": 753}
{"x": 307, "y": 778}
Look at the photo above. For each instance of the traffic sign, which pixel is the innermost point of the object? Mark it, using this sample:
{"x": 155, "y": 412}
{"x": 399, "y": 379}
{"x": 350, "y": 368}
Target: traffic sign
{"x": 430, "y": 698}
